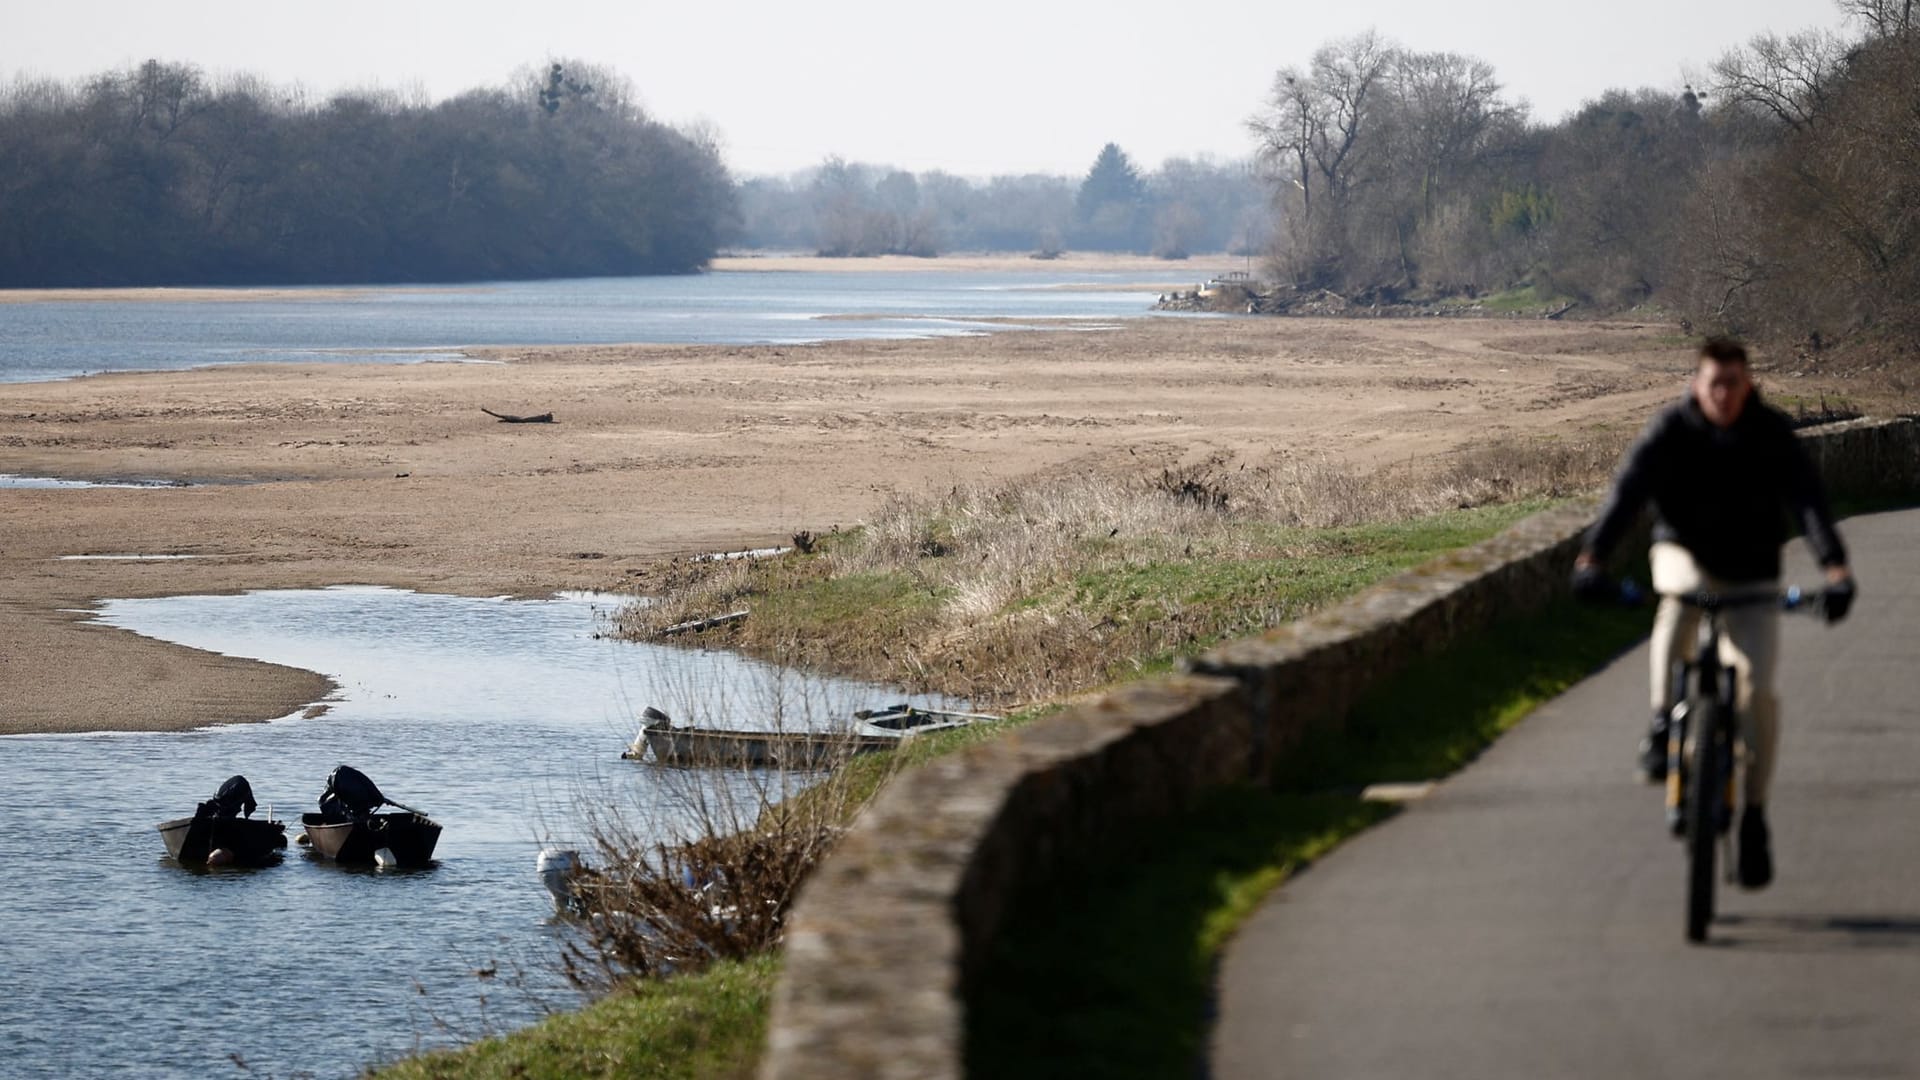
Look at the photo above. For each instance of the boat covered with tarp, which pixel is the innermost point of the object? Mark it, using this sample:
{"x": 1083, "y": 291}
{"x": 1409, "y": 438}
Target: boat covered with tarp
{"x": 351, "y": 829}
{"x": 223, "y": 831}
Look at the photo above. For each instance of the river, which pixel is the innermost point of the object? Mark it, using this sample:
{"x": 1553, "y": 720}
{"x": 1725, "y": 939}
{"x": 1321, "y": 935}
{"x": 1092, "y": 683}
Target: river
{"x": 56, "y": 339}
{"x": 494, "y": 716}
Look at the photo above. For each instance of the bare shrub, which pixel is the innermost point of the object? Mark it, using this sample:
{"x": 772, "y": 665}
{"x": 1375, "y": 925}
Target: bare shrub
{"x": 1194, "y": 484}
{"x": 699, "y": 864}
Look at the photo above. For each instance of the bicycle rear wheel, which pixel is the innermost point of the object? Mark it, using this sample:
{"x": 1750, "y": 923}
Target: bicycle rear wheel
{"x": 1704, "y": 793}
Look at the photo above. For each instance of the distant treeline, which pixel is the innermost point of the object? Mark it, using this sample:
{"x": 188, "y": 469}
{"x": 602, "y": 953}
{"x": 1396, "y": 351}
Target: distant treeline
{"x": 849, "y": 208}
{"x": 1782, "y": 199}
{"x": 160, "y": 175}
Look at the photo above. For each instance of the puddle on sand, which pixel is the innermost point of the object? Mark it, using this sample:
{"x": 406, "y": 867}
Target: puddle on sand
{"x": 495, "y": 716}
{"x": 10, "y": 480}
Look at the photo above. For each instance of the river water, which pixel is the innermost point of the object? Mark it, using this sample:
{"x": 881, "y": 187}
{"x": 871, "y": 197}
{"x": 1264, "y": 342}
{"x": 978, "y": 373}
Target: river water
{"x": 493, "y": 716}
{"x": 496, "y": 717}
{"x": 60, "y": 339}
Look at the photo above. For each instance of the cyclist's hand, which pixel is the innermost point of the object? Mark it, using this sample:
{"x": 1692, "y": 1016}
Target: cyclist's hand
{"x": 1590, "y": 585}
{"x": 1837, "y": 599}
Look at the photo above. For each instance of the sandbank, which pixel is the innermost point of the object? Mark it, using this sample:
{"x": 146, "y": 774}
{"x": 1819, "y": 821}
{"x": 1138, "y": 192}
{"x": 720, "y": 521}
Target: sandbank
{"x": 312, "y": 475}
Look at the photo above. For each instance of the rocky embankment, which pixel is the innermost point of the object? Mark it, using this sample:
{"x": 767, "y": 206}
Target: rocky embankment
{"x": 1240, "y": 298}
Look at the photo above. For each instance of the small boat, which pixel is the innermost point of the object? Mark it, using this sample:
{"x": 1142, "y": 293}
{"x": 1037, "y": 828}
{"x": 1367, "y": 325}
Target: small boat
{"x": 349, "y": 830}
{"x": 223, "y": 832}
{"x": 869, "y": 732}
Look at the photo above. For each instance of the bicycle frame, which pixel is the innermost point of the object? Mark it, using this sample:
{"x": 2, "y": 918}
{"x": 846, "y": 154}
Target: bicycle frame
{"x": 1702, "y": 693}
{"x": 1700, "y": 745}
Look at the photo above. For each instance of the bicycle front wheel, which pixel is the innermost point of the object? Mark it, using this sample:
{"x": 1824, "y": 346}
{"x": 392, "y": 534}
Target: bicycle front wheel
{"x": 1704, "y": 786}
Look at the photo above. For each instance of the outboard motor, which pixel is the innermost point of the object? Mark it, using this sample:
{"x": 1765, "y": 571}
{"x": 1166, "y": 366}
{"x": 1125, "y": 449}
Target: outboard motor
{"x": 557, "y": 868}
{"x": 350, "y": 796}
{"x": 234, "y": 799}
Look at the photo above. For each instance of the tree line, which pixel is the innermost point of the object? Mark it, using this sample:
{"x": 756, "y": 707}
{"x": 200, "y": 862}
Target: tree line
{"x": 159, "y": 174}
{"x": 1778, "y": 199}
{"x": 843, "y": 208}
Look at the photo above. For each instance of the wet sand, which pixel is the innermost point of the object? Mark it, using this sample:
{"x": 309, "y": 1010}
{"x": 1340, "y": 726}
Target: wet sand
{"x": 310, "y": 475}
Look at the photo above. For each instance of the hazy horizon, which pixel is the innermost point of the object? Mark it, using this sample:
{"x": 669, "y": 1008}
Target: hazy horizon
{"x": 1011, "y": 88}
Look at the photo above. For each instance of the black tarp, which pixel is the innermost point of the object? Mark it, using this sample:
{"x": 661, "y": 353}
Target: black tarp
{"x": 234, "y": 799}
{"x": 350, "y": 795}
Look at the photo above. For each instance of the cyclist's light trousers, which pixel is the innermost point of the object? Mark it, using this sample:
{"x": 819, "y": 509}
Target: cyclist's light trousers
{"x": 1749, "y": 647}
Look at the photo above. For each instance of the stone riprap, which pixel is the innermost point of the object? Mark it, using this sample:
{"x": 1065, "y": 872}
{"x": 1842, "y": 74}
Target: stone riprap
{"x": 886, "y": 933}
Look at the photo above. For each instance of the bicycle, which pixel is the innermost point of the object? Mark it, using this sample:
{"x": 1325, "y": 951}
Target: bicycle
{"x": 1700, "y": 770}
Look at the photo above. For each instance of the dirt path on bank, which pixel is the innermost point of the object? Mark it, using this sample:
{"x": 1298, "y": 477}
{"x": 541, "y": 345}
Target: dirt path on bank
{"x": 325, "y": 474}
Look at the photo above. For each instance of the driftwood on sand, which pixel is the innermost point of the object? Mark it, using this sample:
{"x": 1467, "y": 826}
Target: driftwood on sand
{"x": 542, "y": 418}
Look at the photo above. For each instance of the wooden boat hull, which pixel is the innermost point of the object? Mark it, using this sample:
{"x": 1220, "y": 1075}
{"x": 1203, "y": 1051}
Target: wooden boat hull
{"x": 760, "y": 749}
{"x": 411, "y": 838}
{"x": 190, "y": 839}
{"x": 870, "y": 732}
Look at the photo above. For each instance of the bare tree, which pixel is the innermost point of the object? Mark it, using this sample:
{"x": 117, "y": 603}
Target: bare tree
{"x": 1785, "y": 78}
{"x": 1882, "y": 18}
{"x": 1315, "y": 122}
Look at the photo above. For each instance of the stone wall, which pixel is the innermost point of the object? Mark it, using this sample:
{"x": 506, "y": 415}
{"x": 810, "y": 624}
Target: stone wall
{"x": 887, "y": 931}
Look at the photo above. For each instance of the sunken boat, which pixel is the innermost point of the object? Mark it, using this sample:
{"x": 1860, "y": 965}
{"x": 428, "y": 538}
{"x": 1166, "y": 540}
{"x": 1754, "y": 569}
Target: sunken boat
{"x": 224, "y": 832}
{"x": 350, "y": 829}
{"x": 870, "y": 731}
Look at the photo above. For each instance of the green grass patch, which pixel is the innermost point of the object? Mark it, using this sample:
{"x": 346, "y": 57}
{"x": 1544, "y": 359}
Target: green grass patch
{"x": 1109, "y": 972}
{"x": 710, "y": 1025}
{"x": 825, "y": 601}
{"x": 1524, "y": 298}
{"x": 1215, "y": 596}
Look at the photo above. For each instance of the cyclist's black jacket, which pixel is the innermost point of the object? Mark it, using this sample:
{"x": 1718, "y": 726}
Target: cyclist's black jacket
{"x": 1723, "y": 494}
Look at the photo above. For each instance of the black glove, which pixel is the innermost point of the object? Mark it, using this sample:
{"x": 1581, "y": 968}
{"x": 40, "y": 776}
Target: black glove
{"x": 1590, "y": 585}
{"x": 1837, "y": 599}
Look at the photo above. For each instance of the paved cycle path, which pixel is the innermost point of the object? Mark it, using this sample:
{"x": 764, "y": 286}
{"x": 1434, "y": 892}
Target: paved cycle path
{"x": 1526, "y": 919}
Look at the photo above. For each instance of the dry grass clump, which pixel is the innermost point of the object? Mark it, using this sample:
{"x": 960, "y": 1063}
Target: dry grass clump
{"x": 1017, "y": 592}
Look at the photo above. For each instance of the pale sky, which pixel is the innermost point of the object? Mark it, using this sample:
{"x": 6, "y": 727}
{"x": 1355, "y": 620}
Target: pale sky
{"x": 976, "y": 88}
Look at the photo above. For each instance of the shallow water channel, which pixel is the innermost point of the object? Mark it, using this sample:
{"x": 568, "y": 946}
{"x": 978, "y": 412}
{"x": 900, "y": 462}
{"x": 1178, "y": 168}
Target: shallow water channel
{"x": 494, "y": 716}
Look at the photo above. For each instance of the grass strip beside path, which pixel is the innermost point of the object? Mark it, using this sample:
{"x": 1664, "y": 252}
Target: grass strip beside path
{"x": 709, "y": 1024}
{"x": 1109, "y": 972}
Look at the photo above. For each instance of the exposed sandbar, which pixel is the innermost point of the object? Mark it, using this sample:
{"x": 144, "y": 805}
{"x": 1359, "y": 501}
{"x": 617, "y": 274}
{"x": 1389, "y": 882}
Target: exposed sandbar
{"x": 391, "y": 474}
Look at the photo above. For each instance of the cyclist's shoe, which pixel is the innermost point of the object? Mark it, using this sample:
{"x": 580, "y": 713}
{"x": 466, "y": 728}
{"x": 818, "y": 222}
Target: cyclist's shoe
{"x": 1756, "y": 856}
{"x": 1653, "y": 751}
{"x": 1837, "y": 599}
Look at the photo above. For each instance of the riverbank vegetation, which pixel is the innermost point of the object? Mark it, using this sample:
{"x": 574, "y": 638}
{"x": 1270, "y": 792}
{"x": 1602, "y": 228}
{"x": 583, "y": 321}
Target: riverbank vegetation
{"x": 1014, "y": 594}
{"x": 161, "y": 174}
{"x": 852, "y": 208}
{"x": 1772, "y": 200}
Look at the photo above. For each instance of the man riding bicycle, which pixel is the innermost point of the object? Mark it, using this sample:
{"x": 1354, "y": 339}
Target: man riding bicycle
{"x": 1720, "y": 467}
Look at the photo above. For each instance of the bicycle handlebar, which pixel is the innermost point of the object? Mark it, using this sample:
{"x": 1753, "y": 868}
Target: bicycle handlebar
{"x": 1791, "y": 599}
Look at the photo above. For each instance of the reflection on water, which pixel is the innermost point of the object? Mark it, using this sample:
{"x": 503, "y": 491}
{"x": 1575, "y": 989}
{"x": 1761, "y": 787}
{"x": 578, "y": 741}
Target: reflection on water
{"x": 491, "y": 715}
